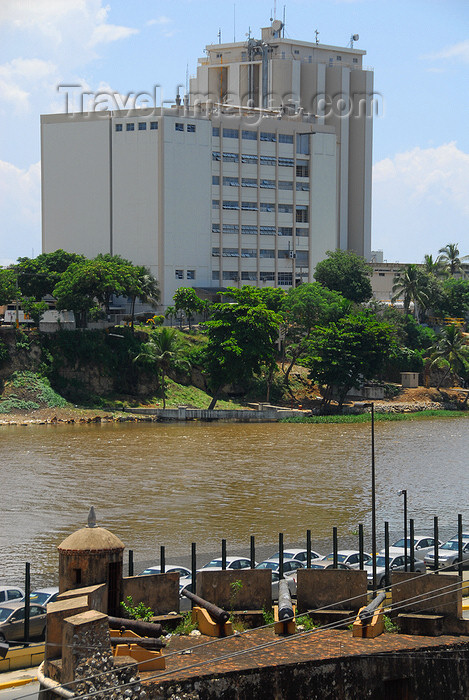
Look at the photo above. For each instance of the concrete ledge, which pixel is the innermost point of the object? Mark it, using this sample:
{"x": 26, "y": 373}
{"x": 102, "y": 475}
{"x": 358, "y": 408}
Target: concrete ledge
{"x": 267, "y": 415}
{"x": 24, "y": 657}
{"x": 424, "y": 625}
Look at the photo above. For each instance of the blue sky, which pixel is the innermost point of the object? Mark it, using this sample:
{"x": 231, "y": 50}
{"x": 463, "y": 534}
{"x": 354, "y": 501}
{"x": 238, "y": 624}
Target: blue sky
{"x": 419, "y": 51}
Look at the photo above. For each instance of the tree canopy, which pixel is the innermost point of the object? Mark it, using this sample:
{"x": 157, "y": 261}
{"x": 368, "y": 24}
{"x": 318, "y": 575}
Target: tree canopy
{"x": 346, "y": 272}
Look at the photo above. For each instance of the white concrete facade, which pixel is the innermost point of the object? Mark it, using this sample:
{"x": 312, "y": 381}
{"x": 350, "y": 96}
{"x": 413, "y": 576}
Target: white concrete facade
{"x": 213, "y": 193}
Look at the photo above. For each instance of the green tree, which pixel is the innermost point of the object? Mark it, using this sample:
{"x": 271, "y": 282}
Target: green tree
{"x": 345, "y": 351}
{"x": 241, "y": 338}
{"x": 451, "y": 353}
{"x": 141, "y": 285}
{"x": 303, "y": 308}
{"x": 346, "y": 272}
{"x": 410, "y": 284}
{"x": 454, "y": 298}
{"x": 186, "y": 300}
{"x": 38, "y": 276}
{"x": 34, "y": 308}
{"x": 8, "y": 291}
{"x": 433, "y": 267}
{"x": 163, "y": 351}
{"x": 449, "y": 258}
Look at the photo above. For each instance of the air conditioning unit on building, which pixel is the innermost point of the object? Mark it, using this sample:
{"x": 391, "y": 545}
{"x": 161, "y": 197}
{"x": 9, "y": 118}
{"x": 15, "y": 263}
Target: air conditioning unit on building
{"x": 292, "y": 254}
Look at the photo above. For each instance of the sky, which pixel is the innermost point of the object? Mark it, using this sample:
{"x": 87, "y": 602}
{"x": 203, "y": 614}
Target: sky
{"x": 418, "y": 49}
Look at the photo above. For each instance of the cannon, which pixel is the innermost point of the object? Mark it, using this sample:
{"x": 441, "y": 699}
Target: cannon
{"x": 149, "y": 643}
{"x": 366, "y": 613}
{"x": 140, "y": 627}
{"x": 217, "y": 614}
{"x": 369, "y": 622}
{"x": 284, "y": 612}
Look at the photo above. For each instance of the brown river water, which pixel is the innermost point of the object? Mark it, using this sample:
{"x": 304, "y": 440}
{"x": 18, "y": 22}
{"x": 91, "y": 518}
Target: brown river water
{"x": 173, "y": 484}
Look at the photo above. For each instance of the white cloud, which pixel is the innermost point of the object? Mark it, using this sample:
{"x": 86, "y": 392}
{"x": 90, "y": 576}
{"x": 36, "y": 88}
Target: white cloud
{"x": 20, "y": 77}
{"x": 105, "y": 33}
{"x": 162, "y": 20}
{"x": 420, "y": 201}
{"x": 20, "y": 210}
{"x": 459, "y": 52}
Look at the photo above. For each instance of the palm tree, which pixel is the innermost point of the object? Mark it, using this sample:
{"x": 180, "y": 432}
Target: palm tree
{"x": 449, "y": 257}
{"x": 163, "y": 351}
{"x": 144, "y": 287}
{"x": 450, "y": 350}
{"x": 433, "y": 267}
{"x": 409, "y": 283}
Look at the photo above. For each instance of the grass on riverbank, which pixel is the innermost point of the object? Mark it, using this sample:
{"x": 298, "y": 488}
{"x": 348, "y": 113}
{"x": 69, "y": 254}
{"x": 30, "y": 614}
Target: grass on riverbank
{"x": 181, "y": 395}
{"x": 381, "y": 417}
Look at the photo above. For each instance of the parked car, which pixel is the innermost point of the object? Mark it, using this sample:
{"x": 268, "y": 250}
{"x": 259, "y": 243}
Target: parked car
{"x": 183, "y": 571}
{"x": 351, "y": 557}
{"x": 423, "y": 544}
{"x": 289, "y": 565}
{"x": 395, "y": 564}
{"x": 8, "y": 593}
{"x": 231, "y": 563}
{"x": 42, "y": 596}
{"x": 298, "y": 554}
{"x": 12, "y": 621}
{"x": 326, "y": 564}
{"x": 448, "y": 554}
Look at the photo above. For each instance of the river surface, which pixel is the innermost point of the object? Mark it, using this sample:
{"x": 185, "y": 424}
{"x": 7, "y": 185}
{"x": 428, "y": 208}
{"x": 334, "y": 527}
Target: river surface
{"x": 173, "y": 484}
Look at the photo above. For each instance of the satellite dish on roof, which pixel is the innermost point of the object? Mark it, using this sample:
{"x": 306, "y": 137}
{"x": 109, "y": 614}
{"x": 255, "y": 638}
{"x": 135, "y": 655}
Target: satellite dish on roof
{"x": 277, "y": 25}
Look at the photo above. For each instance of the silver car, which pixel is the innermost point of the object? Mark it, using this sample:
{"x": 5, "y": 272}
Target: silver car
{"x": 351, "y": 557}
{"x": 9, "y": 593}
{"x": 395, "y": 564}
{"x": 448, "y": 554}
{"x": 423, "y": 544}
{"x": 298, "y": 554}
{"x": 12, "y": 621}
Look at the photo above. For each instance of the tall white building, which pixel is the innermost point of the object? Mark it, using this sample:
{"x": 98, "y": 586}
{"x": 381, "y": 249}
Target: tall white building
{"x": 261, "y": 169}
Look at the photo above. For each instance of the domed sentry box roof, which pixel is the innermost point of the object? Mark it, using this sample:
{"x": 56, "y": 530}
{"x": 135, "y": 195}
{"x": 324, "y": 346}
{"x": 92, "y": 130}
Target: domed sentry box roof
{"x": 91, "y": 539}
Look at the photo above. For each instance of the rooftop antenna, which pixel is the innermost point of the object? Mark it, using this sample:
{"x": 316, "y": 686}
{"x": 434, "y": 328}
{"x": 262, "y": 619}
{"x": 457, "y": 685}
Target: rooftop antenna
{"x": 353, "y": 37}
{"x": 283, "y": 28}
{"x": 187, "y": 78}
{"x": 316, "y": 34}
{"x": 219, "y": 35}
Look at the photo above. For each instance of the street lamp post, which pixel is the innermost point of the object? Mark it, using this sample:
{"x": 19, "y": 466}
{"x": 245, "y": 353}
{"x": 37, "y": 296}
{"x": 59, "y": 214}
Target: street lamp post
{"x": 403, "y": 492}
{"x": 371, "y": 405}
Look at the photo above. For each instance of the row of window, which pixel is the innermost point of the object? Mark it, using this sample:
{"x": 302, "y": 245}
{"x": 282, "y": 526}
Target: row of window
{"x": 302, "y": 140}
{"x": 300, "y": 255}
{"x": 179, "y": 126}
{"x": 265, "y": 184}
{"x": 301, "y": 210}
{"x": 263, "y": 230}
{"x": 284, "y": 279}
{"x": 179, "y": 274}
{"x": 142, "y": 126}
{"x": 302, "y": 168}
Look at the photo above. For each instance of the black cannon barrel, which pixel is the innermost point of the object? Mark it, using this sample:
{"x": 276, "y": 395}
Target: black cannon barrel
{"x": 148, "y": 629}
{"x": 367, "y": 613}
{"x": 217, "y": 613}
{"x": 150, "y": 643}
{"x": 285, "y": 607}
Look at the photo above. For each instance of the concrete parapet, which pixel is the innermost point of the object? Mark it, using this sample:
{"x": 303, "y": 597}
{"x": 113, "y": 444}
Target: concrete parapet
{"x": 56, "y": 614}
{"x": 97, "y": 596}
{"x": 160, "y": 592}
{"x": 336, "y": 588}
{"x": 254, "y": 591}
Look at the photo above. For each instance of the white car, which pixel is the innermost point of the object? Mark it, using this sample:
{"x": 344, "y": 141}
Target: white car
{"x": 351, "y": 557}
{"x": 297, "y": 554}
{"x": 423, "y": 544}
{"x": 42, "y": 596}
{"x": 10, "y": 593}
{"x": 235, "y": 563}
{"x": 448, "y": 554}
{"x": 183, "y": 571}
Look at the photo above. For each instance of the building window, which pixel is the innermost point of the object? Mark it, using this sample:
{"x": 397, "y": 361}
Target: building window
{"x": 249, "y": 276}
{"x": 285, "y": 185}
{"x": 267, "y": 276}
{"x": 296, "y": 51}
{"x": 229, "y": 204}
{"x": 215, "y": 179}
{"x": 190, "y": 275}
{"x": 230, "y": 157}
{"x": 266, "y": 253}
{"x": 249, "y": 230}
{"x": 267, "y": 206}
{"x": 230, "y": 228}
{"x": 216, "y": 155}
{"x": 215, "y": 228}
{"x": 268, "y": 160}
{"x": 77, "y": 575}
{"x": 267, "y": 230}
{"x": 230, "y": 133}
{"x": 248, "y": 158}
{"x": 248, "y": 253}
{"x": 130, "y": 127}
{"x": 302, "y": 144}
{"x": 338, "y": 58}
{"x": 249, "y": 182}
{"x": 215, "y": 204}
{"x": 283, "y": 254}
{"x": 285, "y": 231}
{"x": 179, "y": 274}
{"x": 215, "y": 131}
{"x": 179, "y": 127}
{"x": 231, "y": 181}
{"x": 249, "y": 206}
{"x": 142, "y": 126}
{"x": 153, "y": 126}
{"x": 286, "y": 162}
{"x": 302, "y": 169}
{"x": 230, "y": 275}
{"x": 302, "y": 214}
{"x": 248, "y": 134}
{"x": 285, "y": 208}
{"x": 284, "y": 279}
{"x": 215, "y": 252}
{"x": 285, "y": 138}
{"x": 191, "y": 128}
{"x": 118, "y": 127}
{"x": 268, "y": 184}
{"x": 302, "y": 257}
{"x": 302, "y": 232}
{"x": 302, "y": 186}
{"x": 355, "y": 60}
{"x": 268, "y": 136}
{"x": 215, "y": 275}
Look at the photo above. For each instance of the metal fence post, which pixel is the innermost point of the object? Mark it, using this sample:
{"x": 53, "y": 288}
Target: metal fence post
{"x": 280, "y": 555}
{"x": 334, "y": 548}
{"x": 308, "y": 549}
{"x": 27, "y": 599}
{"x": 131, "y": 562}
{"x": 386, "y": 554}
{"x": 460, "y": 555}
{"x": 361, "y": 546}
{"x": 253, "y": 552}
{"x": 162, "y": 560}
{"x": 435, "y": 536}
{"x": 223, "y": 555}
{"x": 194, "y": 570}
{"x": 412, "y": 544}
